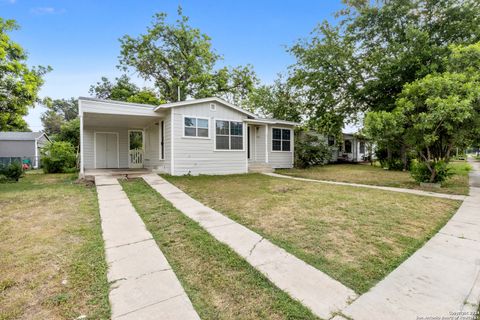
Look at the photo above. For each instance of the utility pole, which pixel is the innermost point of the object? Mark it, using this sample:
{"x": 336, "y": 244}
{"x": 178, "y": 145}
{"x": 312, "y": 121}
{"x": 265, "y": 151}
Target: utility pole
{"x": 178, "y": 93}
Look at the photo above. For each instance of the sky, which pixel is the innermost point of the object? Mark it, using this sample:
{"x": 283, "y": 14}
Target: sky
{"x": 79, "y": 39}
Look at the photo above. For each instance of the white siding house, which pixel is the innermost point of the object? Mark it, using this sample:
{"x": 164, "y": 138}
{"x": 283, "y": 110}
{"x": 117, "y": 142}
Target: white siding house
{"x": 203, "y": 136}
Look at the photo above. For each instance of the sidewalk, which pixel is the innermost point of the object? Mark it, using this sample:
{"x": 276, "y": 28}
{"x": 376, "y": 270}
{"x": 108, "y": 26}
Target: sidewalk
{"x": 440, "y": 279}
{"x": 313, "y": 288}
{"x": 403, "y": 190}
{"x": 143, "y": 285}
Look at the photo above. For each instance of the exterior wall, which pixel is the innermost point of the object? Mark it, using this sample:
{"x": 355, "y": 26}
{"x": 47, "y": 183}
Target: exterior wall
{"x": 152, "y": 148}
{"x": 280, "y": 159}
{"x": 17, "y": 148}
{"x": 198, "y": 155}
{"x": 89, "y": 145}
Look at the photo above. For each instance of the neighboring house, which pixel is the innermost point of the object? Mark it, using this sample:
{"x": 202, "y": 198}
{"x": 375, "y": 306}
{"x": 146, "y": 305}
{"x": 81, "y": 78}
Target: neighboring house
{"x": 352, "y": 148}
{"x": 22, "y": 146}
{"x": 203, "y": 136}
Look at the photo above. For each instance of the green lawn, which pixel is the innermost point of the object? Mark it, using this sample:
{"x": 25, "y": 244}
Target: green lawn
{"x": 52, "y": 263}
{"x": 374, "y": 175}
{"x": 356, "y": 235}
{"x": 220, "y": 284}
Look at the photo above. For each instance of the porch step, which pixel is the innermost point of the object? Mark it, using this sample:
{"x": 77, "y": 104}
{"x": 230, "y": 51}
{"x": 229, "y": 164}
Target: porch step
{"x": 259, "y": 167}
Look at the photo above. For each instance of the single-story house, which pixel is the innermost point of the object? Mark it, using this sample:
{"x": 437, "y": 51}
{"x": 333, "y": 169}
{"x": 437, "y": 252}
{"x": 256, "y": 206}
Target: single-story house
{"x": 22, "y": 146}
{"x": 202, "y": 136}
{"x": 352, "y": 148}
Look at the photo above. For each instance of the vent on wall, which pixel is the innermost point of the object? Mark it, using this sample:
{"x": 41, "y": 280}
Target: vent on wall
{"x": 213, "y": 106}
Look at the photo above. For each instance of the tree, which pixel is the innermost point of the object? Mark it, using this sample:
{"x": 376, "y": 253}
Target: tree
{"x": 278, "y": 101}
{"x": 122, "y": 89}
{"x": 386, "y": 131}
{"x": 58, "y": 112}
{"x": 442, "y": 111}
{"x": 363, "y": 63}
{"x": 70, "y": 132}
{"x": 180, "y": 61}
{"x": 19, "y": 84}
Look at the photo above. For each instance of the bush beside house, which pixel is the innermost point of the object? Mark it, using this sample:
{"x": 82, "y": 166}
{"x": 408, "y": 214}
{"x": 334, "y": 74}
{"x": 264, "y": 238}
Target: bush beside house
{"x": 59, "y": 157}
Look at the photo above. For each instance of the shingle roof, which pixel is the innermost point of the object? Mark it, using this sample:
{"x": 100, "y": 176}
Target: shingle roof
{"x": 10, "y": 135}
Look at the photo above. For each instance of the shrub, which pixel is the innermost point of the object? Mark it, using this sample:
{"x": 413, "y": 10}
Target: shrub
{"x": 11, "y": 172}
{"x": 310, "y": 150}
{"x": 421, "y": 173}
{"x": 58, "y": 157}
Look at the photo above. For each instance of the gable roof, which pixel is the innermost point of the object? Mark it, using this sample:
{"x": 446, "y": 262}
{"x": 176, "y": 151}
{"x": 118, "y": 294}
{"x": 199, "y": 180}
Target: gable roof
{"x": 196, "y": 101}
{"x": 22, "y": 136}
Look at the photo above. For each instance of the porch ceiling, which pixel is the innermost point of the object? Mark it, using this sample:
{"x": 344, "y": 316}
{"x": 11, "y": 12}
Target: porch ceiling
{"x": 113, "y": 120}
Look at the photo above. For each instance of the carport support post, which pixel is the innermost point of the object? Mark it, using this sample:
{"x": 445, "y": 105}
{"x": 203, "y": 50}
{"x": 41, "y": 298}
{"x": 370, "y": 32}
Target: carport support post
{"x": 80, "y": 113}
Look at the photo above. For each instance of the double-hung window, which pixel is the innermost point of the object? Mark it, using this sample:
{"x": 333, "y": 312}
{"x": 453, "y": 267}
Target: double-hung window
{"x": 281, "y": 139}
{"x": 229, "y": 135}
{"x": 195, "y": 127}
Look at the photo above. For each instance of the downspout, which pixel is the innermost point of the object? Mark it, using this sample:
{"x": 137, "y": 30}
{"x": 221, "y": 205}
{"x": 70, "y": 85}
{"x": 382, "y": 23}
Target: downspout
{"x": 36, "y": 155}
{"x": 172, "y": 166}
{"x": 80, "y": 114}
{"x": 266, "y": 143}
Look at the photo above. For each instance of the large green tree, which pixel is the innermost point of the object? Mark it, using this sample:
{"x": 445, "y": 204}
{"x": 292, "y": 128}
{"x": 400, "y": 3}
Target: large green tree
{"x": 19, "y": 84}
{"x": 58, "y": 112}
{"x": 363, "y": 62}
{"x": 278, "y": 100}
{"x": 122, "y": 89}
{"x": 441, "y": 111}
{"x": 179, "y": 60}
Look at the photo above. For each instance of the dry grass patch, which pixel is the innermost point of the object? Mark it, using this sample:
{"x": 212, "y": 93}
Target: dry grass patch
{"x": 373, "y": 175}
{"x": 220, "y": 284}
{"x": 356, "y": 235}
{"x": 52, "y": 264}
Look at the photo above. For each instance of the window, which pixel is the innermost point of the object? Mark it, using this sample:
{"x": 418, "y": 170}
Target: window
{"x": 348, "y": 146}
{"x": 162, "y": 140}
{"x": 362, "y": 147}
{"x": 331, "y": 141}
{"x": 281, "y": 139}
{"x": 229, "y": 135}
{"x": 195, "y": 127}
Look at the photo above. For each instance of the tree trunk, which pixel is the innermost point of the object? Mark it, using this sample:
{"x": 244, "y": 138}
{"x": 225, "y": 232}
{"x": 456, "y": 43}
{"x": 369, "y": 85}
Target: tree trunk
{"x": 403, "y": 153}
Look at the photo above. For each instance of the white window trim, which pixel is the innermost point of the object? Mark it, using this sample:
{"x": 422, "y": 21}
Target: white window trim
{"x": 195, "y": 137}
{"x": 229, "y": 135}
{"x": 271, "y": 140}
{"x": 95, "y": 148}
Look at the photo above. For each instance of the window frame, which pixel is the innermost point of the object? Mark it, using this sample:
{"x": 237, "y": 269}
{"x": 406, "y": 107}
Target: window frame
{"x": 196, "y": 127}
{"x": 281, "y": 140}
{"x": 229, "y": 136}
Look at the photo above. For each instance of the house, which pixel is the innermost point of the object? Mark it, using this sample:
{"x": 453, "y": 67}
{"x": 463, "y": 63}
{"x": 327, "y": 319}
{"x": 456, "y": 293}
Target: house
{"x": 202, "y": 136}
{"x": 22, "y": 146}
{"x": 352, "y": 148}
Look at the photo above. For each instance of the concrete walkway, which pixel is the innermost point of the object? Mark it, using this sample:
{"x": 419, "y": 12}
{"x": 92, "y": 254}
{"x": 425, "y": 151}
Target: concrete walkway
{"x": 403, "y": 190}
{"x": 440, "y": 279}
{"x": 143, "y": 285}
{"x": 322, "y": 294}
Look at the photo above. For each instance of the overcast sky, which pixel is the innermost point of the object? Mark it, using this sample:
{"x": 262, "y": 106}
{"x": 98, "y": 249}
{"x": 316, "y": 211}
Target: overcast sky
{"x": 79, "y": 39}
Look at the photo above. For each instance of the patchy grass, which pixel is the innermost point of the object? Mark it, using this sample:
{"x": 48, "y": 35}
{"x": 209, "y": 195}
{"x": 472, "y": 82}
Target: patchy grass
{"x": 374, "y": 175}
{"x": 220, "y": 284}
{"x": 355, "y": 235}
{"x": 52, "y": 263}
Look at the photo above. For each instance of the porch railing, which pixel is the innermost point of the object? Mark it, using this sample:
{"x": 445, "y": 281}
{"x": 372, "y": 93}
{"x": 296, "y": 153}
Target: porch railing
{"x": 136, "y": 158}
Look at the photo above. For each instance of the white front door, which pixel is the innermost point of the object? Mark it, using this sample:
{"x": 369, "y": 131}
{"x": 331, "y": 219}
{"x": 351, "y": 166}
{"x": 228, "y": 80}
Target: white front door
{"x": 135, "y": 148}
{"x": 106, "y": 150}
